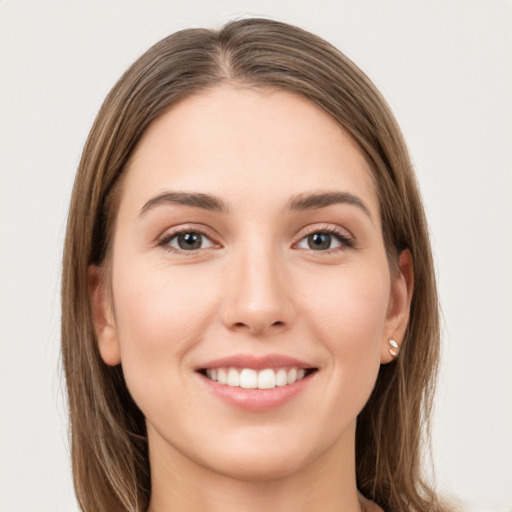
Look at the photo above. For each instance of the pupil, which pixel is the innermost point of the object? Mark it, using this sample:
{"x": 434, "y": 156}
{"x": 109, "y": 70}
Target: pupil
{"x": 319, "y": 241}
{"x": 189, "y": 241}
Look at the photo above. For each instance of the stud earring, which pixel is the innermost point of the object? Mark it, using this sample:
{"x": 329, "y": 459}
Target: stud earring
{"x": 393, "y": 348}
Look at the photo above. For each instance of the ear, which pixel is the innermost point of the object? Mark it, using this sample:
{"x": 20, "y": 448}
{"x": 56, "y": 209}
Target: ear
{"x": 103, "y": 318}
{"x": 402, "y": 286}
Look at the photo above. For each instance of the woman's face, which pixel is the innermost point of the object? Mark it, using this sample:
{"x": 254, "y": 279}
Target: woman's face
{"x": 248, "y": 249}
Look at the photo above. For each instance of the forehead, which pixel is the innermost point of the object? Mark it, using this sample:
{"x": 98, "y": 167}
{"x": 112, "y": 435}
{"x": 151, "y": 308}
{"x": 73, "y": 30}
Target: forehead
{"x": 241, "y": 143}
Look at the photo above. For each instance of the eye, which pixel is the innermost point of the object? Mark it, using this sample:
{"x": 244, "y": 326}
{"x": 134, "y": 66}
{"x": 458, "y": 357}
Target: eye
{"x": 325, "y": 240}
{"x": 187, "y": 241}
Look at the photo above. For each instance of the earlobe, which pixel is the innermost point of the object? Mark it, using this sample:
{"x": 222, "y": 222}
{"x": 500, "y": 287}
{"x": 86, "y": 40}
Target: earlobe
{"x": 103, "y": 318}
{"x": 402, "y": 287}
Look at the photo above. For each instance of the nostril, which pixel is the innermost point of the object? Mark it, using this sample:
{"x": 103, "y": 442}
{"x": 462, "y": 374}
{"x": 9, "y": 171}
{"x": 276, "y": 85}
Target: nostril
{"x": 242, "y": 324}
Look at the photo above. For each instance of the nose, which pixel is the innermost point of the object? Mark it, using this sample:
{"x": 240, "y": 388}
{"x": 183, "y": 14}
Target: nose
{"x": 258, "y": 296}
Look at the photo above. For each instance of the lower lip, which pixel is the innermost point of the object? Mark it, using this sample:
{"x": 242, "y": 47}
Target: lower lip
{"x": 257, "y": 399}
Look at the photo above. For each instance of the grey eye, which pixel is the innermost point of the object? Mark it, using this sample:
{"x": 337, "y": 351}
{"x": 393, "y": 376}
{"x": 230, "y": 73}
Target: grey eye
{"x": 190, "y": 241}
{"x": 320, "y": 242}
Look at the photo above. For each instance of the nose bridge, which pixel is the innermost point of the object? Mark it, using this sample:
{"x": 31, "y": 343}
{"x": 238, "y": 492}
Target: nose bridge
{"x": 258, "y": 297}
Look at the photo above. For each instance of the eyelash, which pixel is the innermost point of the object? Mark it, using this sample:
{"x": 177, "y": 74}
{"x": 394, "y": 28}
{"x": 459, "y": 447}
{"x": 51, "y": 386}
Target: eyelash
{"x": 346, "y": 241}
{"x": 168, "y": 236}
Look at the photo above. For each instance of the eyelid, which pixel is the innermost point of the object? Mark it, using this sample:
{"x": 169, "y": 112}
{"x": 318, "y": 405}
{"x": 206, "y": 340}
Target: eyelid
{"x": 172, "y": 232}
{"x": 345, "y": 237}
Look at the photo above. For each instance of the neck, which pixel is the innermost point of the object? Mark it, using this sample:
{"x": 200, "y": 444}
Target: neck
{"x": 327, "y": 483}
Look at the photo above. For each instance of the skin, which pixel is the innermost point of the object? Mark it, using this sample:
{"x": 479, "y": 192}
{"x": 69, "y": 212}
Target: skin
{"x": 254, "y": 287}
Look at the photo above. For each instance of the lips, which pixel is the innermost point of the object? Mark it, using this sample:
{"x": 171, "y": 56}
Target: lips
{"x": 256, "y": 382}
{"x": 257, "y": 362}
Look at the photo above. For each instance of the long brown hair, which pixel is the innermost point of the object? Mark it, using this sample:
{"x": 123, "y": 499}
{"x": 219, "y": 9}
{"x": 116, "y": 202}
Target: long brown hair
{"x": 108, "y": 433}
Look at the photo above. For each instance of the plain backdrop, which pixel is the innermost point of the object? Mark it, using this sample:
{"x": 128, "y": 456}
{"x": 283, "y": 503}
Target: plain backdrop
{"x": 445, "y": 68}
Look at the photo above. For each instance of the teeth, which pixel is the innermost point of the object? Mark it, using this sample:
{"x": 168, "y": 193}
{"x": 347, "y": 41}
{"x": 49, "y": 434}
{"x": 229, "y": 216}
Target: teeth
{"x": 281, "y": 377}
{"x": 248, "y": 378}
{"x": 266, "y": 379}
{"x": 233, "y": 378}
{"x": 221, "y": 376}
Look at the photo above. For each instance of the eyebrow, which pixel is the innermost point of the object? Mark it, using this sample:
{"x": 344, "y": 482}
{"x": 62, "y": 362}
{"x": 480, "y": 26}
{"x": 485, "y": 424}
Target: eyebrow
{"x": 299, "y": 202}
{"x": 193, "y": 199}
{"x": 316, "y": 200}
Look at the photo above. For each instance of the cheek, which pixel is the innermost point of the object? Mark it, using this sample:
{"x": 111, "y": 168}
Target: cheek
{"x": 161, "y": 314}
{"x": 350, "y": 313}
{"x": 160, "y": 304}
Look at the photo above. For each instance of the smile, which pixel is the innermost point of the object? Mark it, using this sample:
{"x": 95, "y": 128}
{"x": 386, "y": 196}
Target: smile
{"x": 257, "y": 382}
{"x": 249, "y": 378}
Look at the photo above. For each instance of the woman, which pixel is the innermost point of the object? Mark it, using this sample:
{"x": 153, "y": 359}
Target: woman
{"x": 250, "y": 316}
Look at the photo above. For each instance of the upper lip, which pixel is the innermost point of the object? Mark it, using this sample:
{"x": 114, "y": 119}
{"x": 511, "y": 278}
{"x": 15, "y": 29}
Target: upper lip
{"x": 256, "y": 362}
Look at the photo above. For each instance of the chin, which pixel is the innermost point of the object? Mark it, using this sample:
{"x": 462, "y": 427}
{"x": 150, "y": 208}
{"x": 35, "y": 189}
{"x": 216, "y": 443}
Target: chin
{"x": 262, "y": 455}
{"x": 261, "y": 468}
